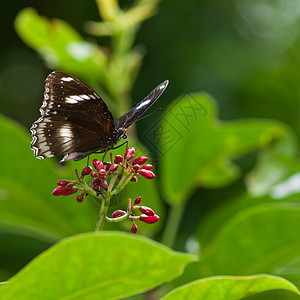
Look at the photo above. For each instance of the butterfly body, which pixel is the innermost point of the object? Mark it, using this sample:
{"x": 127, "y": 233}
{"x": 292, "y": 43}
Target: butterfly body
{"x": 76, "y": 122}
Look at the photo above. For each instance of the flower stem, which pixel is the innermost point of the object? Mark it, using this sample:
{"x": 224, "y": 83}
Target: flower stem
{"x": 103, "y": 212}
{"x": 102, "y": 218}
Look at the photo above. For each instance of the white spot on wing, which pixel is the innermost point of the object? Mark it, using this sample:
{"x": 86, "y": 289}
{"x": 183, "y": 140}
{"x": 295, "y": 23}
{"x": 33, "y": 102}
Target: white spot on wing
{"x": 71, "y": 100}
{"x": 65, "y": 135}
{"x": 143, "y": 104}
{"x": 76, "y": 97}
{"x": 85, "y": 97}
{"x": 162, "y": 86}
{"x": 66, "y": 78}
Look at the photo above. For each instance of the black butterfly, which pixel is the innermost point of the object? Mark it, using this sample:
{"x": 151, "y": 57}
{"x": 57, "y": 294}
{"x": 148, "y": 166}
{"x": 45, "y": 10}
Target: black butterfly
{"x": 76, "y": 122}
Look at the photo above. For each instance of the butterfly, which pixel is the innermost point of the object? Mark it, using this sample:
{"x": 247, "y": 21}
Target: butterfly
{"x": 76, "y": 122}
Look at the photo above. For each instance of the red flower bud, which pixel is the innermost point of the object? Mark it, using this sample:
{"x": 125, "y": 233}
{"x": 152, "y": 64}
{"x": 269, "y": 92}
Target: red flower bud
{"x": 59, "y": 190}
{"x": 86, "y": 171}
{"x": 134, "y": 228}
{"x": 106, "y": 165}
{"x": 104, "y": 185}
{"x": 137, "y": 200}
{"x": 80, "y": 197}
{"x": 147, "y": 174}
{"x": 149, "y": 219}
{"x": 96, "y": 187}
{"x": 146, "y": 210}
{"x": 118, "y": 159}
{"x": 140, "y": 160}
{"x": 96, "y": 181}
{"x": 70, "y": 190}
{"x": 134, "y": 179}
{"x": 129, "y": 153}
{"x": 98, "y": 165}
{"x": 118, "y": 213}
{"x": 102, "y": 173}
{"x": 94, "y": 174}
{"x": 114, "y": 168}
{"x": 136, "y": 167}
{"x": 120, "y": 177}
{"x": 95, "y": 184}
{"x": 147, "y": 167}
{"x": 63, "y": 182}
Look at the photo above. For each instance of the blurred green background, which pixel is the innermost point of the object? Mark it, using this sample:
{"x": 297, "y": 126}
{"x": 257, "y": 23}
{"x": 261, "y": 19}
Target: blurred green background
{"x": 244, "y": 53}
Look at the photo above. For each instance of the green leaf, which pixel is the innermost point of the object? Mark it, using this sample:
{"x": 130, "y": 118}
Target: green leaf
{"x": 261, "y": 239}
{"x": 197, "y": 149}
{"x": 61, "y": 45}
{"x": 109, "y": 265}
{"x": 230, "y": 287}
{"x": 274, "y": 165}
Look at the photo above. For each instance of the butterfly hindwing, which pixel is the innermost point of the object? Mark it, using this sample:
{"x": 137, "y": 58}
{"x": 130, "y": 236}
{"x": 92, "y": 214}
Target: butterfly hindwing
{"x": 74, "y": 118}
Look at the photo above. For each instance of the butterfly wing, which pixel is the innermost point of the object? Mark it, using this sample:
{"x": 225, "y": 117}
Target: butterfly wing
{"x": 74, "y": 118}
{"x": 139, "y": 109}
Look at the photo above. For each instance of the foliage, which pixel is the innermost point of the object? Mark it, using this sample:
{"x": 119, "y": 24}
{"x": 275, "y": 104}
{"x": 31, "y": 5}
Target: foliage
{"x": 255, "y": 232}
{"x": 97, "y": 275}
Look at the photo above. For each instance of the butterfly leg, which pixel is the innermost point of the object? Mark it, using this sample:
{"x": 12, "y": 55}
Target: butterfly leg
{"x": 104, "y": 155}
{"x": 120, "y": 146}
{"x": 105, "y": 151}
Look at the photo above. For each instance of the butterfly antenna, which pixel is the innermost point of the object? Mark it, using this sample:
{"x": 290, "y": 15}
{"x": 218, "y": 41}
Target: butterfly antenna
{"x": 149, "y": 114}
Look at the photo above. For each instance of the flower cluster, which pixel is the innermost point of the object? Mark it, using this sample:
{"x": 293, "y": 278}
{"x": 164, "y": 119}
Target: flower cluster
{"x": 106, "y": 179}
{"x": 148, "y": 216}
{"x": 129, "y": 169}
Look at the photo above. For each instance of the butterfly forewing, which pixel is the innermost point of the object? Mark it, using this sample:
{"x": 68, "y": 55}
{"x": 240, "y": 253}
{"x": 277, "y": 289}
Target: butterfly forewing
{"x": 74, "y": 118}
{"x": 139, "y": 109}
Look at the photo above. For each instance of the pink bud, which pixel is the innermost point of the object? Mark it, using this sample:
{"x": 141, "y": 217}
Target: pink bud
{"x": 147, "y": 167}
{"x": 118, "y": 213}
{"x": 134, "y": 228}
{"x": 134, "y": 179}
{"x": 96, "y": 181}
{"x": 136, "y": 167}
{"x": 147, "y": 174}
{"x": 80, "y": 197}
{"x": 86, "y": 171}
{"x": 98, "y": 165}
{"x": 59, "y": 190}
{"x": 137, "y": 200}
{"x": 102, "y": 173}
{"x": 146, "y": 210}
{"x": 114, "y": 168}
{"x": 106, "y": 165}
{"x": 104, "y": 185}
{"x": 140, "y": 160}
{"x": 96, "y": 187}
{"x": 149, "y": 219}
{"x": 63, "y": 182}
{"x": 118, "y": 159}
{"x": 94, "y": 174}
{"x": 70, "y": 190}
{"x": 129, "y": 153}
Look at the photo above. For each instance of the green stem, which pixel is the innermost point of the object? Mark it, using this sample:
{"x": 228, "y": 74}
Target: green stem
{"x": 173, "y": 222}
{"x": 116, "y": 220}
{"x": 102, "y": 213}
